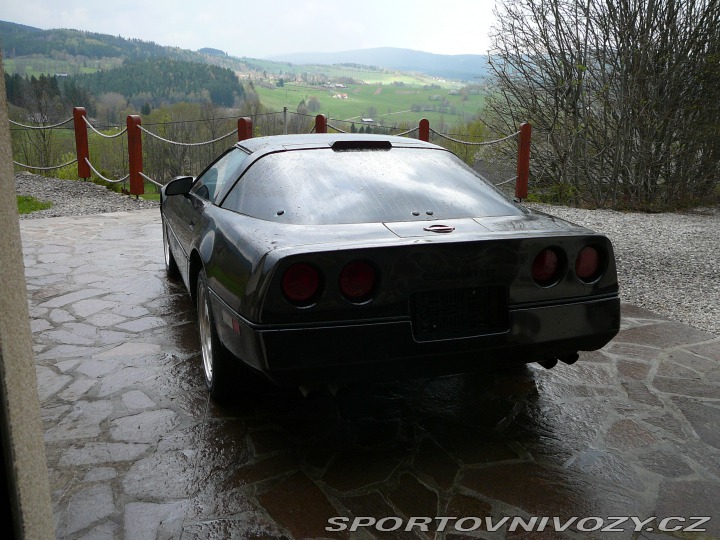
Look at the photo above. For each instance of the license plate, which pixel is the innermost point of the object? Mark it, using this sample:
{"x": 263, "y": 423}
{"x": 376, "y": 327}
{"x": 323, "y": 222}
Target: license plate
{"x": 458, "y": 313}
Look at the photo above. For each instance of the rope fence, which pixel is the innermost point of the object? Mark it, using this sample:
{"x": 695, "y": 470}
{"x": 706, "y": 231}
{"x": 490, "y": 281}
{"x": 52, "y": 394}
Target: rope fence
{"x": 99, "y": 175}
{"x": 41, "y": 127}
{"x": 87, "y": 122}
{"x": 469, "y": 143}
{"x": 152, "y": 181}
{"x": 53, "y": 168}
{"x": 408, "y": 132}
{"x": 158, "y": 137}
{"x": 506, "y": 181}
{"x": 337, "y": 129}
{"x": 244, "y": 131}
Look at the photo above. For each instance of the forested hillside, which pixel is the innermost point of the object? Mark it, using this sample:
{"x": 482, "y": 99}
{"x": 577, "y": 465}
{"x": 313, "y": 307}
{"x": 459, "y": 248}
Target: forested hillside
{"x": 166, "y": 81}
{"x": 20, "y": 40}
{"x": 141, "y": 84}
{"x": 147, "y": 74}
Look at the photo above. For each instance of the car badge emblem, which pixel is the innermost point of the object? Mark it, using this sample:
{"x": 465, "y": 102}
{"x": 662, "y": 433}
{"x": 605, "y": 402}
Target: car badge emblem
{"x": 439, "y": 228}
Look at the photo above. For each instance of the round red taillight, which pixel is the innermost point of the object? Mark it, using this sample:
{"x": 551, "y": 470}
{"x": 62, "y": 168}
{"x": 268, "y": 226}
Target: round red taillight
{"x": 587, "y": 264}
{"x": 300, "y": 283}
{"x": 546, "y": 267}
{"x": 357, "y": 281}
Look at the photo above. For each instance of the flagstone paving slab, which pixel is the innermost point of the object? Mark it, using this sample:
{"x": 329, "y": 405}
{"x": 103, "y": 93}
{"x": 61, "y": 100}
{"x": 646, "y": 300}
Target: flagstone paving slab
{"x": 136, "y": 449}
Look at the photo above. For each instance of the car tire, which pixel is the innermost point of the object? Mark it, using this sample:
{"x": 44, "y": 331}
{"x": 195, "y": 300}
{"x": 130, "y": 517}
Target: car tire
{"x": 216, "y": 359}
{"x": 171, "y": 267}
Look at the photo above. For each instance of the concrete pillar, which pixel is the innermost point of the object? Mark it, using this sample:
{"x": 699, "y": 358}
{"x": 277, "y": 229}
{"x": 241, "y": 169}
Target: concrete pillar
{"x": 23, "y": 450}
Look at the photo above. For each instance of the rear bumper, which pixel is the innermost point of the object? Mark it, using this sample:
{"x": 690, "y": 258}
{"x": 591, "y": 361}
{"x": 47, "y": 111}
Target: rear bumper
{"x": 388, "y": 350}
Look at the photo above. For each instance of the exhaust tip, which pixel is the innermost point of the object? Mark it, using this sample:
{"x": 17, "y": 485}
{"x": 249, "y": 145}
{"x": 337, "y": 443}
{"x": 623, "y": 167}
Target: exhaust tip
{"x": 570, "y": 359}
{"x": 548, "y": 363}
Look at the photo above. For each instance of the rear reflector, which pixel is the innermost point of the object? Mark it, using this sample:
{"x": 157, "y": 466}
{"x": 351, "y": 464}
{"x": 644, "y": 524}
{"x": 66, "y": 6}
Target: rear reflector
{"x": 546, "y": 267}
{"x": 357, "y": 281}
{"x": 300, "y": 283}
{"x": 587, "y": 264}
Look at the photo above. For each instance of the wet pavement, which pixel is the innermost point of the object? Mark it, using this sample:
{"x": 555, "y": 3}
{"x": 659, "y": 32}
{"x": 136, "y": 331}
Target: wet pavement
{"x": 136, "y": 449}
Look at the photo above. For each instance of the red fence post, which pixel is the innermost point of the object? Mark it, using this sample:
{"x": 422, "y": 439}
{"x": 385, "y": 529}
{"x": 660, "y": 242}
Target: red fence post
{"x": 245, "y": 128}
{"x": 320, "y": 123}
{"x": 137, "y": 185}
{"x": 81, "y": 142}
{"x": 523, "y": 162}
{"x": 424, "y": 130}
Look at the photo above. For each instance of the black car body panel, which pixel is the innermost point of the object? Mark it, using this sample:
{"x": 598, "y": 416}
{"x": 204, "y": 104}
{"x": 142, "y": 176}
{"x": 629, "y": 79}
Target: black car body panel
{"x": 453, "y": 291}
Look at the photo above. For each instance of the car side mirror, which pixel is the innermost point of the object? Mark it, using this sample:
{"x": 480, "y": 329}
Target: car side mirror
{"x": 180, "y": 185}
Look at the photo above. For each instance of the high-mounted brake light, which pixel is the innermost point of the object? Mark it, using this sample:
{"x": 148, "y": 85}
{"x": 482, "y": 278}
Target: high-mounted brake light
{"x": 345, "y": 145}
{"x": 546, "y": 267}
{"x": 357, "y": 281}
{"x": 301, "y": 283}
{"x": 588, "y": 264}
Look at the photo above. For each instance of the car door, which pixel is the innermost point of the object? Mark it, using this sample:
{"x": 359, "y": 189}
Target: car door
{"x": 192, "y": 218}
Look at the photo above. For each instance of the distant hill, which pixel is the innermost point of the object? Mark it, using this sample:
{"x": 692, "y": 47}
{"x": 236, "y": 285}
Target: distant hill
{"x": 93, "y": 69}
{"x": 142, "y": 71}
{"x": 459, "y": 67}
{"x": 20, "y": 40}
{"x": 67, "y": 47}
{"x": 159, "y": 80}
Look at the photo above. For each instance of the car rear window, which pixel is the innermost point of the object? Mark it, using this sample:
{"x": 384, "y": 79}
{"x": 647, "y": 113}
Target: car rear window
{"x": 325, "y": 186}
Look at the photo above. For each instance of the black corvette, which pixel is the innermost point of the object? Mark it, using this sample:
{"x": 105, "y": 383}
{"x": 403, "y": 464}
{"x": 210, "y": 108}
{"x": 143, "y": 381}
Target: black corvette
{"x": 328, "y": 258}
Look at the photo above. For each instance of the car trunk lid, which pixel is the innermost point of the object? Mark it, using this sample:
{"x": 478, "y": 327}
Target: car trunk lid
{"x": 477, "y": 226}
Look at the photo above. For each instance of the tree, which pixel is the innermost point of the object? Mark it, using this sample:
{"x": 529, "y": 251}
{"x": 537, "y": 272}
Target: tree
{"x": 110, "y": 107}
{"x": 76, "y": 96}
{"x": 622, "y": 96}
{"x": 475, "y": 131}
{"x": 250, "y": 105}
{"x": 44, "y": 104}
{"x": 313, "y": 104}
{"x": 302, "y": 108}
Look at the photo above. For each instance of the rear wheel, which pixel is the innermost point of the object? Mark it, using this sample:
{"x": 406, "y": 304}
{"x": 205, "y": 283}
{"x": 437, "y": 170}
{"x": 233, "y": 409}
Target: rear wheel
{"x": 171, "y": 267}
{"x": 217, "y": 360}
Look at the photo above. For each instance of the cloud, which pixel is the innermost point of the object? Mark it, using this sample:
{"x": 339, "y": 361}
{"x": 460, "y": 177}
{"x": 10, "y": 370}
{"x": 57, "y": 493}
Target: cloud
{"x": 261, "y": 29}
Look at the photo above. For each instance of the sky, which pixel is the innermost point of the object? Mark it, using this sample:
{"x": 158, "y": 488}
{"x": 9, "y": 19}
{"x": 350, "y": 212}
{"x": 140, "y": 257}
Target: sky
{"x": 262, "y": 29}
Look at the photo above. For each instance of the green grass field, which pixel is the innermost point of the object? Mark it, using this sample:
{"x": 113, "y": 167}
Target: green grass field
{"x": 35, "y": 66}
{"x": 27, "y": 204}
{"x": 390, "y": 98}
{"x": 386, "y": 104}
{"x": 371, "y": 76}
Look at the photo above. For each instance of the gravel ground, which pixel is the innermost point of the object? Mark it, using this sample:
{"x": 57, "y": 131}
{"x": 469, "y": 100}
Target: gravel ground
{"x": 74, "y": 198}
{"x": 668, "y": 263}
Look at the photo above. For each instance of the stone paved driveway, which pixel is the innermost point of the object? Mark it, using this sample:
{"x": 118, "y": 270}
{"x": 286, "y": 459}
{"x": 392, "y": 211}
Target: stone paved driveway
{"x": 136, "y": 450}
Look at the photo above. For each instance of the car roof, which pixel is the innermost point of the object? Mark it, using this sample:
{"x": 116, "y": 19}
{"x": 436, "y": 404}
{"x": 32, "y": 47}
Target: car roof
{"x": 279, "y": 143}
